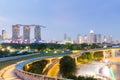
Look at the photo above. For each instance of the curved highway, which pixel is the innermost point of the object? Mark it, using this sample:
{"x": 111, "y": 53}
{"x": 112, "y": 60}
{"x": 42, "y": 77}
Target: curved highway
{"x": 50, "y": 66}
{"x": 16, "y": 57}
{"x": 10, "y": 75}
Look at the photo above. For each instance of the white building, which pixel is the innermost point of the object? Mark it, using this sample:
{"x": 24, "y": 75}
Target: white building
{"x": 82, "y": 39}
{"x": 92, "y": 37}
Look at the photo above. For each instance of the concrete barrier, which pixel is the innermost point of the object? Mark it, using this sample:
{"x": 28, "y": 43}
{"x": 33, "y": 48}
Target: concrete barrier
{"x": 31, "y": 76}
{"x": 4, "y": 70}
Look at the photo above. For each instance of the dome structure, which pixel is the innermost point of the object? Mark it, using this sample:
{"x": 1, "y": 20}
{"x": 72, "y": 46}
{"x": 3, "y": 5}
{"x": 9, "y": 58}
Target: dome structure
{"x": 91, "y": 31}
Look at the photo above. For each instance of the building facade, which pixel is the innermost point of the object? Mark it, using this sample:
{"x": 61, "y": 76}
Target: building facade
{"x": 37, "y": 33}
{"x": 97, "y": 38}
{"x": 92, "y": 37}
{"x": 26, "y": 34}
{"x": 15, "y": 33}
{"x": 4, "y": 35}
{"x": 79, "y": 39}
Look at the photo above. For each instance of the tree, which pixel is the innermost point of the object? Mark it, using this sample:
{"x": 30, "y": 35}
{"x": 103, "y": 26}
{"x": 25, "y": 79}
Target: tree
{"x": 98, "y": 55}
{"x": 89, "y": 55}
{"x": 37, "y": 67}
{"x": 83, "y": 56}
{"x": 67, "y": 66}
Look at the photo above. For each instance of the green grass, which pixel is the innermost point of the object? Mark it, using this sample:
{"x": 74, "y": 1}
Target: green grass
{"x": 4, "y": 64}
{"x": 84, "y": 61}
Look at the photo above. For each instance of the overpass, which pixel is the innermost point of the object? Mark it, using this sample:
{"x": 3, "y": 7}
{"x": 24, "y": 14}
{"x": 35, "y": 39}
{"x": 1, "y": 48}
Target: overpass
{"x": 106, "y": 52}
{"x": 21, "y": 73}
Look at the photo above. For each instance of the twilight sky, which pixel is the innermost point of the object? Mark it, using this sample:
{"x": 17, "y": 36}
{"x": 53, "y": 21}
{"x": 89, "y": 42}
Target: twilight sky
{"x": 63, "y": 16}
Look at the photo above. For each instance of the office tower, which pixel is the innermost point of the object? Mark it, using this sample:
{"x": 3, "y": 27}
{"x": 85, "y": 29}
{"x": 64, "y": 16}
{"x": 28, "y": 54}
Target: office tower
{"x": 26, "y": 34}
{"x": 3, "y": 32}
{"x": 105, "y": 39}
{"x": 79, "y": 39}
{"x": 65, "y": 36}
{"x": 37, "y": 33}
{"x": 97, "y": 38}
{"x": 0, "y": 37}
{"x": 110, "y": 39}
{"x": 85, "y": 39}
{"x": 92, "y": 38}
{"x": 82, "y": 39}
{"x": 15, "y": 33}
{"x": 4, "y": 35}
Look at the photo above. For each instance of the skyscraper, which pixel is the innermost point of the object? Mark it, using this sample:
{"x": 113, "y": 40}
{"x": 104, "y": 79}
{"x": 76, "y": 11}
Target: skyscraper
{"x": 65, "y": 36}
{"x": 86, "y": 39}
{"x": 110, "y": 39}
{"x": 80, "y": 39}
{"x": 26, "y": 34}
{"x": 97, "y": 38}
{"x": 37, "y": 33}
{"x": 105, "y": 39}
{"x": 0, "y": 37}
{"x": 92, "y": 37}
{"x": 4, "y": 34}
{"x": 15, "y": 32}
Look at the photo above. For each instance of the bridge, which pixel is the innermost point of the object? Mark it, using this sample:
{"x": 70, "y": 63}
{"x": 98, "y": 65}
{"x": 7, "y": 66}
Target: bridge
{"x": 106, "y": 52}
{"x": 24, "y": 75}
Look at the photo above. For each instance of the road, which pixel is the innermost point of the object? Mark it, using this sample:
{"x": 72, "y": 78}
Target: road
{"x": 15, "y": 57}
{"x": 50, "y": 66}
{"x": 8, "y": 73}
{"x": 54, "y": 70}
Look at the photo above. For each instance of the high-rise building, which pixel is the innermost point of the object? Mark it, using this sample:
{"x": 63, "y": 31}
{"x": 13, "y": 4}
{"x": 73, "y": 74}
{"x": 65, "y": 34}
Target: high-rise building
{"x": 0, "y": 37}
{"x": 105, "y": 39}
{"x": 25, "y": 37}
{"x": 26, "y": 34}
{"x": 92, "y": 37}
{"x": 15, "y": 32}
{"x": 37, "y": 33}
{"x": 65, "y": 36}
{"x": 4, "y": 35}
{"x": 110, "y": 39}
{"x": 97, "y": 38}
{"x": 80, "y": 39}
{"x": 86, "y": 39}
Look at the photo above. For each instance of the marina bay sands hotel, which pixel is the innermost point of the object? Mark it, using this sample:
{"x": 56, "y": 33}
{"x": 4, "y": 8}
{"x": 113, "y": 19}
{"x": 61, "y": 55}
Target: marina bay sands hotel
{"x": 26, "y": 33}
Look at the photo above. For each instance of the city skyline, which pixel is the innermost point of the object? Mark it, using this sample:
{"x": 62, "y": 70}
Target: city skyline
{"x": 70, "y": 17}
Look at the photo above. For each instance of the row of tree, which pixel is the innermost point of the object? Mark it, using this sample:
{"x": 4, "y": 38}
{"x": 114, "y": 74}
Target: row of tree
{"x": 43, "y": 46}
{"x": 4, "y": 53}
{"x": 89, "y": 56}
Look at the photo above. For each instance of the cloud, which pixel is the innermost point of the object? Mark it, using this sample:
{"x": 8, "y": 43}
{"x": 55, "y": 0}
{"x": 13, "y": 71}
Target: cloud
{"x": 3, "y": 19}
